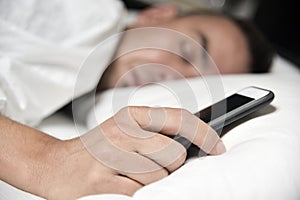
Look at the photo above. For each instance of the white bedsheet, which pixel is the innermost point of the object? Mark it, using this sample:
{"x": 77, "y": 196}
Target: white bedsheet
{"x": 262, "y": 160}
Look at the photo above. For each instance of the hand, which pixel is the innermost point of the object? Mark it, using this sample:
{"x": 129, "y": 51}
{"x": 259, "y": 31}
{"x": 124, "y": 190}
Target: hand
{"x": 126, "y": 152}
{"x": 157, "y": 14}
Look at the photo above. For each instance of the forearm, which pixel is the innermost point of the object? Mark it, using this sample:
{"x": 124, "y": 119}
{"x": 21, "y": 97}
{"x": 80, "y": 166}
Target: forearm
{"x": 54, "y": 169}
{"x": 24, "y": 155}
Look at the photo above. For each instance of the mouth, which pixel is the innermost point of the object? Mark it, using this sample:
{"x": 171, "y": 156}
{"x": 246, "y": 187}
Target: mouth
{"x": 140, "y": 76}
{"x": 129, "y": 78}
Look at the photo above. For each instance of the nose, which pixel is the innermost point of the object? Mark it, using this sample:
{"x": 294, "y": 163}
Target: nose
{"x": 171, "y": 60}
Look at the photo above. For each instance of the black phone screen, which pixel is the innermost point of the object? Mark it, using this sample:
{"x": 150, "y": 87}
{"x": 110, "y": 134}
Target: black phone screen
{"x": 224, "y": 106}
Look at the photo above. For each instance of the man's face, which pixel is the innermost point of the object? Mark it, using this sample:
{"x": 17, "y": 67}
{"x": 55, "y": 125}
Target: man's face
{"x": 224, "y": 42}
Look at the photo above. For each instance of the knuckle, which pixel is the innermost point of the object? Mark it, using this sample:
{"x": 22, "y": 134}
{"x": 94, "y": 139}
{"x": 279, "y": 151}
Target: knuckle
{"x": 184, "y": 116}
{"x": 185, "y": 113}
{"x": 164, "y": 173}
{"x": 158, "y": 175}
{"x": 181, "y": 155}
{"x": 112, "y": 133}
{"x": 135, "y": 111}
{"x": 124, "y": 110}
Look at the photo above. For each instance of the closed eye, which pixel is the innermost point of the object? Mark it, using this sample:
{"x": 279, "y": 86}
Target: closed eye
{"x": 204, "y": 44}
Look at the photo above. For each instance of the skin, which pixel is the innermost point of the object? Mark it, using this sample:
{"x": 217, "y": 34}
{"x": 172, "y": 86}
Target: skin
{"x": 225, "y": 44}
{"x": 54, "y": 169}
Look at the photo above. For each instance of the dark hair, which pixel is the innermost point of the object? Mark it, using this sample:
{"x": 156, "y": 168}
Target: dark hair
{"x": 261, "y": 51}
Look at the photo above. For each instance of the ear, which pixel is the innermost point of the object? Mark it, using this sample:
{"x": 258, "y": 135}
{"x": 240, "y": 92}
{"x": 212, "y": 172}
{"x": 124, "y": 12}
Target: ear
{"x": 156, "y": 14}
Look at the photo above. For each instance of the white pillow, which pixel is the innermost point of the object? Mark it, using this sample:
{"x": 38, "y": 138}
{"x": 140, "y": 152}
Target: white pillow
{"x": 261, "y": 161}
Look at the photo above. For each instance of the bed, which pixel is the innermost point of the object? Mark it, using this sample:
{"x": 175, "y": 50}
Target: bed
{"x": 262, "y": 159}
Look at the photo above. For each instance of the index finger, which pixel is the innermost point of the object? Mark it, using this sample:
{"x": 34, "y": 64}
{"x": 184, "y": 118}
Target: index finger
{"x": 173, "y": 121}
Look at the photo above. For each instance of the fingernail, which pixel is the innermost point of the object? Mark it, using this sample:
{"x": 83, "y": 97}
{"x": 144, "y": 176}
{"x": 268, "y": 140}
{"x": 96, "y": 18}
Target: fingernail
{"x": 220, "y": 147}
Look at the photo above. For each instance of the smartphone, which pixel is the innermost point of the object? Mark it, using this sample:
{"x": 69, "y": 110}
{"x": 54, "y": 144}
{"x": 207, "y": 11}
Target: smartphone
{"x": 229, "y": 110}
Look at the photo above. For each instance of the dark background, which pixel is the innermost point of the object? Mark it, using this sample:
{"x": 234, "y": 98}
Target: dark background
{"x": 279, "y": 21}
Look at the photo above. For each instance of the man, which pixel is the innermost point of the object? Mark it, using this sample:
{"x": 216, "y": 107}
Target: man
{"x": 55, "y": 169}
{"x": 234, "y": 45}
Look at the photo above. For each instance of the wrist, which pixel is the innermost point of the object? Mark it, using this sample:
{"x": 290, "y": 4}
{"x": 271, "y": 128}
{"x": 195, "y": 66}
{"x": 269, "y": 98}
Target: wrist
{"x": 42, "y": 167}
{"x": 56, "y": 167}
